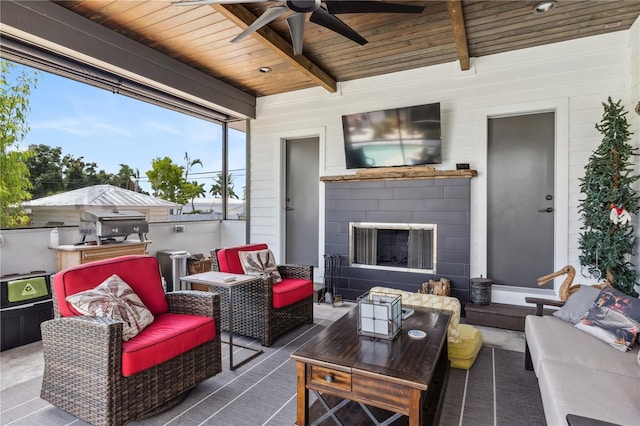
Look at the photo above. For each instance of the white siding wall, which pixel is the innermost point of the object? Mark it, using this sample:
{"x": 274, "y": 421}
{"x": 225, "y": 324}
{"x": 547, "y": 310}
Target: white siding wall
{"x": 573, "y": 78}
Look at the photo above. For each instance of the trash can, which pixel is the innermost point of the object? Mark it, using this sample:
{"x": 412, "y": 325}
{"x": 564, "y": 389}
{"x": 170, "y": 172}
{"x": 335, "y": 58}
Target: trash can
{"x": 173, "y": 265}
{"x": 480, "y": 291}
{"x": 25, "y": 302}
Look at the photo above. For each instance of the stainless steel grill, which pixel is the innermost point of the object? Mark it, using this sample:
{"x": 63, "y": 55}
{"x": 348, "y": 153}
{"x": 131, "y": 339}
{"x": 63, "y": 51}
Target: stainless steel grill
{"x": 112, "y": 224}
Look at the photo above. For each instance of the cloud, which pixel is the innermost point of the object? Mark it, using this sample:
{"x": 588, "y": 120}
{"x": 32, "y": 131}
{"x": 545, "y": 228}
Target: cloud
{"x": 66, "y": 125}
{"x": 86, "y": 126}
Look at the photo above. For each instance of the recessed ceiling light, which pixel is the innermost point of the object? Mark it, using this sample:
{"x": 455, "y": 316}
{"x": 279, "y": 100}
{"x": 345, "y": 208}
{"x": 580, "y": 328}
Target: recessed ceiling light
{"x": 544, "y": 6}
{"x": 264, "y": 69}
{"x": 612, "y": 25}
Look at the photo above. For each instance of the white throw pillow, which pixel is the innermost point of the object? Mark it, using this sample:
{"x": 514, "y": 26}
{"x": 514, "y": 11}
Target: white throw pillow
{"x": 261, "y": 263}
{"x": 116, "y": 300}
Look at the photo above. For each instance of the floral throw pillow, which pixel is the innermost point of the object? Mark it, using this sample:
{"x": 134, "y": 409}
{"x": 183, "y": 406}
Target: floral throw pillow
{"x": 613, "y": 317}
{"x": 261, "y": 263}
{"x": 116, "y": 300}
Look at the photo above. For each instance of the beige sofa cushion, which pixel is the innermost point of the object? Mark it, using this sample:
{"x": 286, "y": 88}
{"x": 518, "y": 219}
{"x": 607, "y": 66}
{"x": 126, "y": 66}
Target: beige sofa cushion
{"x": 551, "y": 338}
{"x": 567, "y": 388}
{"x": 450, "y": 304}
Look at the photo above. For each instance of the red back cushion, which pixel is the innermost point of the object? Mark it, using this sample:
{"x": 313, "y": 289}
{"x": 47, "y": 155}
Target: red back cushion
{"x": 229, "y": 260}
{"x": 142, "y": 273}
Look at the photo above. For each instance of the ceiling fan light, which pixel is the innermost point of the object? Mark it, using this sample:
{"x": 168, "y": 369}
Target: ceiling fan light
{"x": 544, "y": 6}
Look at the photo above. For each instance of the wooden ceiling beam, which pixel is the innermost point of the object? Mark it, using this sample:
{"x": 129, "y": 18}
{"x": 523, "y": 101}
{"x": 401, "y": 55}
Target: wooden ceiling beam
{"x": 459, "y": 34}
{"x": 242, "y": 17}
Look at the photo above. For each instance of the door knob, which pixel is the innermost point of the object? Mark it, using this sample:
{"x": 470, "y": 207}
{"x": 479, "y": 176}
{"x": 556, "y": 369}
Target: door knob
{"x": 289, "y": 209}
{"x": 547, "y": 210}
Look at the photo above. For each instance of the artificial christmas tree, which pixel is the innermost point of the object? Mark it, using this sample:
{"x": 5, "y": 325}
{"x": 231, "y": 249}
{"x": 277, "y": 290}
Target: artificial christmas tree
{"x": 608, "y": 239}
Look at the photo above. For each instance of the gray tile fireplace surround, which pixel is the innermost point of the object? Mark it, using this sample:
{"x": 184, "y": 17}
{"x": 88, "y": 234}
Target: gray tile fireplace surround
{"x": 443, "y": 201}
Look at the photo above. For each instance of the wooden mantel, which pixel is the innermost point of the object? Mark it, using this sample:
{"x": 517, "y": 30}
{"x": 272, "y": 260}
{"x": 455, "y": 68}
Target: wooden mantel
{"x": 388, "y": 173}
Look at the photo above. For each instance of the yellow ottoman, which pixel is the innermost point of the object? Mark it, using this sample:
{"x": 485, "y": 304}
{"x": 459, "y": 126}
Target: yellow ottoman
{"x": 463, "y": 340}
{"x": 463, "y": 354}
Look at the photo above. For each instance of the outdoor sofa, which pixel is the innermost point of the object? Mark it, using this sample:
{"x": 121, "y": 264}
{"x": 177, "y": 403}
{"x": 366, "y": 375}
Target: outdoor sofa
{"x": 579, "y": 374}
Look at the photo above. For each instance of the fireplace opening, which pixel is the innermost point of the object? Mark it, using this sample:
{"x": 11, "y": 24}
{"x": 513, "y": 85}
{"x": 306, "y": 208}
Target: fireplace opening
{"x": 405, "y": 246}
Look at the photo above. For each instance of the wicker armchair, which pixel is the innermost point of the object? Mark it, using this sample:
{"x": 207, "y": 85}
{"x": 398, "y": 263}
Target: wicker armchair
{"x": 254, "y": 313}
{"x": 84, "y": 355}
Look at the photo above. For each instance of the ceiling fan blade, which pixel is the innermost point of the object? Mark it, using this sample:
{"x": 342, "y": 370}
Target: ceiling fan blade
{"x": 296, "y": 29}
{"x": 323, "y": 18}
{"x": 337, "y": 7}
{"x": 268, "y": 16}
{"x": 202, "y": 2}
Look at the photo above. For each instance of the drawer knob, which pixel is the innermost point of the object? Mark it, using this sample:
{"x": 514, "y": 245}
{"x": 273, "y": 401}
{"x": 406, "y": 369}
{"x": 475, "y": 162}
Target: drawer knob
{"x": 329, "y": 378}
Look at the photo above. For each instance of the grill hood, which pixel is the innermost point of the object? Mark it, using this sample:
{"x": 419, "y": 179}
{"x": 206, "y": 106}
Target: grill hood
{"x": 112, "y": 223}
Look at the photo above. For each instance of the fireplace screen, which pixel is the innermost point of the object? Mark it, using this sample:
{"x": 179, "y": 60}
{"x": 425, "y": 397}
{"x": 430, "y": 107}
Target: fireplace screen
{"x": 405, "y": 246}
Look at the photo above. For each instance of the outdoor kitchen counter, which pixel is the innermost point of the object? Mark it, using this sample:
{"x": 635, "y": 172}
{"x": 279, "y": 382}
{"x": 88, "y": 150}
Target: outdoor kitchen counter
{"x": 71, "y": 255}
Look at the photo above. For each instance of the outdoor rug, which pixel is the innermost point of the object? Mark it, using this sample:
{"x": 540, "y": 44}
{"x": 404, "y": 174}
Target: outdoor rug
{"x": 496, "y": 391}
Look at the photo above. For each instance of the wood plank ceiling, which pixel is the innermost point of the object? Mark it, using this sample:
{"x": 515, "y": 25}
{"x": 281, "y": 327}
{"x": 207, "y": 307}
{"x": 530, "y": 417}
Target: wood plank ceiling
{"x": 445, "y": 31}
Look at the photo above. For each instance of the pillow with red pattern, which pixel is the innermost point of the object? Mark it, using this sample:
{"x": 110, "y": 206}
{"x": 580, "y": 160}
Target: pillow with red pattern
{"x": 614, "y": 317}
{"x": 116, "y": 300}
{"x": 261, "y": 263}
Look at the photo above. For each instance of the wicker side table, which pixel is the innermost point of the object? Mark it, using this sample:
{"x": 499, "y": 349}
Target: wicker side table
{"x": 226, "y": 284}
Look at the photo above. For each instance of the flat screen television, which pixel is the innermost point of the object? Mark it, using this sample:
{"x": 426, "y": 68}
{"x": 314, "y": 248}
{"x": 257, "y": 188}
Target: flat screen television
{"x": 393, "y": 137}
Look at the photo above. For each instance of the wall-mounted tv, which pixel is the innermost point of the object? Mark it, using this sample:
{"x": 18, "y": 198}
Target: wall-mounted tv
{"x": 394, "y": 137}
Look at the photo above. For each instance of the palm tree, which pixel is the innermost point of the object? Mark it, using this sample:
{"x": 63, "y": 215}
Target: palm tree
{"x": 216, "y": 188}
{"x": 190, "y": 164}
{"x": 193, "y": 190}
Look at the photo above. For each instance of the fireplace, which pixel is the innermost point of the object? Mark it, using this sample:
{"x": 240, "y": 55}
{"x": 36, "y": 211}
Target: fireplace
{"x": 409, "y": 247}
{"x": 398, "y": 232}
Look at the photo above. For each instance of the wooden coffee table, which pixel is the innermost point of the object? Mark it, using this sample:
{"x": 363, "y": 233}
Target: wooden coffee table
{"x": 405, "y": 376}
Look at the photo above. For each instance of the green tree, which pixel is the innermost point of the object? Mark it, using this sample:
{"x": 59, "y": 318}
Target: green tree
{"x": 127, "y": 178}
{"x": 608, "y": 239}
{"x": 216, "y": 187}
{"x": 78, "y": 173}
{"x": 189, "y": 165}
{"x": 191, "y": 190}
{"x": 45, "y": 170}
{"x": 73, "y": 172}
{"x": 166, "y": 180}
{"x": 14, "y": 173}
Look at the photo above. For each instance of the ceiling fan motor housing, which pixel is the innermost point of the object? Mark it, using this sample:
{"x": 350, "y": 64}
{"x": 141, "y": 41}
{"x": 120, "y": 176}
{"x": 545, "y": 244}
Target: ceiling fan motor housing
{"x": 303, "y": 6}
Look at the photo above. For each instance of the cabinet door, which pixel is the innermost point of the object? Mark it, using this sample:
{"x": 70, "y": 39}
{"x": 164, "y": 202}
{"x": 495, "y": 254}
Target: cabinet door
{"x": 108, "y": 252}
{"x": 66, "y": 259}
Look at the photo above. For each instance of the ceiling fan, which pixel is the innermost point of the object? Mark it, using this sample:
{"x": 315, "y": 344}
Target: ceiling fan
{"x": 318, "y": 14}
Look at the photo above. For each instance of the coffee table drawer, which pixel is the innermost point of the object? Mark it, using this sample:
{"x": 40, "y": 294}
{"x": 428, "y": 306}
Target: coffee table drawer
{"x": 330, "y": 378}
{"x": 391, "y": 396}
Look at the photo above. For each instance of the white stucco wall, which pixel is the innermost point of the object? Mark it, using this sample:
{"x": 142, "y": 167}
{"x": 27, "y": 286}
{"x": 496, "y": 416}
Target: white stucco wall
{"x": 25, "y": 250}
{"x": 573, "y": 78}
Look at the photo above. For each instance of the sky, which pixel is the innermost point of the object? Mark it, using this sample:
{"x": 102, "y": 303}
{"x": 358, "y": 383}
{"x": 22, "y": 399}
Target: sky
{"x": 111, "y": 129}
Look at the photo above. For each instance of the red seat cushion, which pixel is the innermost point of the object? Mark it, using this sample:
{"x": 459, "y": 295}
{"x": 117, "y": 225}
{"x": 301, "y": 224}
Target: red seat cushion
{"x": 228, "y": 258}
{"x": 142, "y": 273}
{"x": 168, "y": 336}
{"x": 291, "y": 290}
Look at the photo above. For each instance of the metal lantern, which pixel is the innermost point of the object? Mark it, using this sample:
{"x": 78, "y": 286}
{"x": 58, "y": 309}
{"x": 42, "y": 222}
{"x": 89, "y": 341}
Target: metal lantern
{"x": 379, "y": 315}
